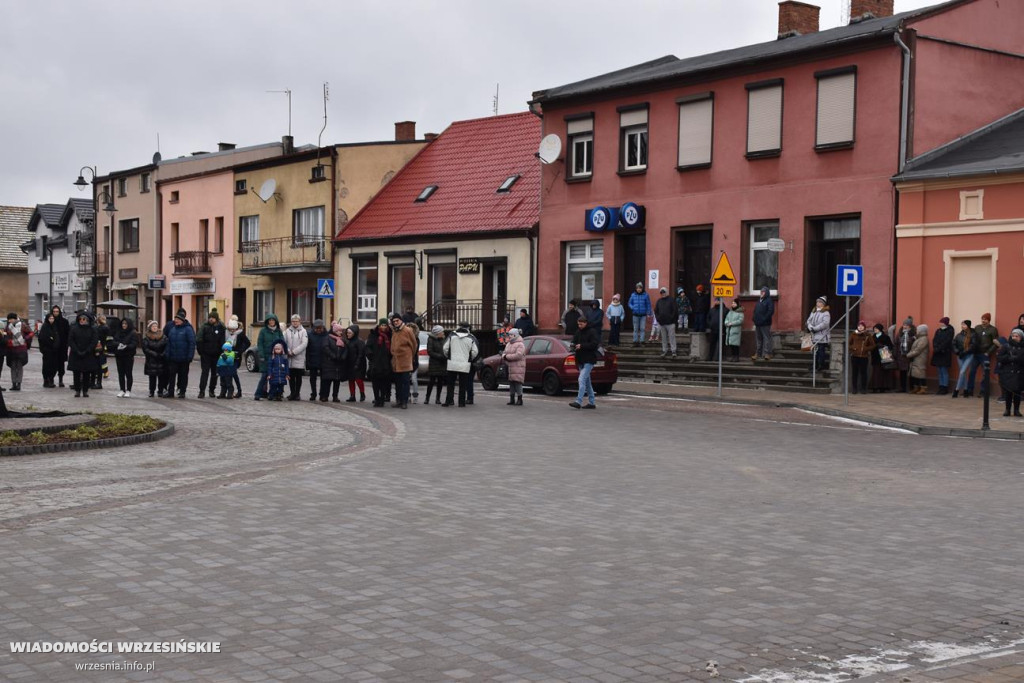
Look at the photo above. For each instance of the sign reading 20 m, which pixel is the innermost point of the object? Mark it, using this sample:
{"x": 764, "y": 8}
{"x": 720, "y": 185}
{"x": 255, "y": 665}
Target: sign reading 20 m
{"x": 626, "y": 217}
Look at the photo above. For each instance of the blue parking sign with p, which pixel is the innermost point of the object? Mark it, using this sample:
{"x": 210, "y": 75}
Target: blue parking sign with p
{"x": 850, "y": 280}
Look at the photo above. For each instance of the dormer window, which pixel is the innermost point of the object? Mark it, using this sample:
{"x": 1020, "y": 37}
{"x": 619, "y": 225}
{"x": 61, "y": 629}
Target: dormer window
{"x": 509, "y": 182}
{"x": 427, "y": 191}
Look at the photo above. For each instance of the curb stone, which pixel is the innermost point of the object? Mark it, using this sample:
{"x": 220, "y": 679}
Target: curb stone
{"x": 113, "y": 441}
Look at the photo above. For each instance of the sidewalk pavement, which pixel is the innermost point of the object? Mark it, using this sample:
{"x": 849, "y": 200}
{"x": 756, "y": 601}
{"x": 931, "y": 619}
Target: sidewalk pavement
{"x": 924, "y": 414}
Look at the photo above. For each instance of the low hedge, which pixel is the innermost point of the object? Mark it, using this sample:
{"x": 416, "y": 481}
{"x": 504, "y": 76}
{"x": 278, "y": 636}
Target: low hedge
{"x": 106, "y": 426}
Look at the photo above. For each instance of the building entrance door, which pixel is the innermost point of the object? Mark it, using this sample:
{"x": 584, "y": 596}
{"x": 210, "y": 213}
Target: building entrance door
{"x": 634, "y": 269}
{"x": 831, "y": 242}
{"x": 692, "y": 259}
{"x": 495, "y": 294}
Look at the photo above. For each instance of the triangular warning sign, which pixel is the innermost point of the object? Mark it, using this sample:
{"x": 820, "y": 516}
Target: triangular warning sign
{"x": 723, "y": 272}
{"x": 326, "y": 291}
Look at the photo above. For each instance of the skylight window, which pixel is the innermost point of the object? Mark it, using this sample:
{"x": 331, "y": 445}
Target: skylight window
{"x": 427, "y": 191}
{"x": 509, "y": 182}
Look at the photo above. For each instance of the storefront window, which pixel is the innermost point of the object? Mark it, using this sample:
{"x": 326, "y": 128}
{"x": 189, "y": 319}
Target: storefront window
{"x": 584, "y": 277}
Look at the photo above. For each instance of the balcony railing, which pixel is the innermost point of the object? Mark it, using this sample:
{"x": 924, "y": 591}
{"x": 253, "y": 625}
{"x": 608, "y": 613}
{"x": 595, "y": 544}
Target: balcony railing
{"x": 480, "y": 314}
{"x": 286, "y": 253}
{"x": 85, "y": 263}
{"x": 191, "y": 262}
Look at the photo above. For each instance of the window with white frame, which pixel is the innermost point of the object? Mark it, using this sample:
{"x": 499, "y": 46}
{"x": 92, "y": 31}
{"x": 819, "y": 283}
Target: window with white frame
{"x": 584, "y": 271}
{"x": 633, "y": 124}
{"x": 837, "y": 90}
{"x": 580, "y": 134}
{"x": 262, "y": 304}
{"x": 696, "y": 123}
{"x": 763, "y": 269}
{"x": 308, "y": 224}
{"x": 366, "y": 290}
{"x": 764, "y": 118}
{"x": 248, "y": 233}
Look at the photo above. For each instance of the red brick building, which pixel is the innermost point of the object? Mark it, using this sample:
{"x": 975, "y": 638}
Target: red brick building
{"x": 795, "y": 139}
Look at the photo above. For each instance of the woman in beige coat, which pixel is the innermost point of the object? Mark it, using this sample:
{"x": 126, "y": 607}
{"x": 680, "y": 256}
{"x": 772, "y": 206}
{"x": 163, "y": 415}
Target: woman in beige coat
{"x": 918, "y": 356}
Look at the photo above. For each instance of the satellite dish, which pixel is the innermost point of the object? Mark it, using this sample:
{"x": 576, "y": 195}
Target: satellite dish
{"x": 550, "y": 148}
{"x": 267, "y": 189}
{"x": 157, "y": 158}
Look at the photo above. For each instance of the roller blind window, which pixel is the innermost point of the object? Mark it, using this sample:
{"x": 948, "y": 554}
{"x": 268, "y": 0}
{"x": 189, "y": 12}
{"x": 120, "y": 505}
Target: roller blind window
{"x": 836, "y": 99}
{"x": 764, "y": 120}
{"x": 695, "y": 127}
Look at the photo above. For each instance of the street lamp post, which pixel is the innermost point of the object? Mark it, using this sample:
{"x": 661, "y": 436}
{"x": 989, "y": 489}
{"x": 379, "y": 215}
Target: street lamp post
{"x": 108, "y": 208}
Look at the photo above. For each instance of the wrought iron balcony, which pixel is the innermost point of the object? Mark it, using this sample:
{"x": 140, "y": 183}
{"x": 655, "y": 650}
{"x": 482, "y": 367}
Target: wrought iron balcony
{"x": 287, "y": 254}
{"x": 191, "y": 262}
{"x": 480, "y": 314}
{"x": 85, "y": 260}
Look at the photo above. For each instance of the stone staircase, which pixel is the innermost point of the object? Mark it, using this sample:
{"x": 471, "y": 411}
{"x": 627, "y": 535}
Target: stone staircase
{"x": 788, "y": 370}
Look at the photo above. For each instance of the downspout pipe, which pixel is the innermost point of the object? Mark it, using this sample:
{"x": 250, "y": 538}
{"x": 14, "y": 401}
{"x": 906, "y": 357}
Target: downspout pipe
{"x": 904, "y": 101}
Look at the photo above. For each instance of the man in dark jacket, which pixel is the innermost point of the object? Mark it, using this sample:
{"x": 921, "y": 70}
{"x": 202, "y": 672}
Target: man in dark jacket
{"x": 209, "y": 341}
{"x": 987, "y": 339}
{"x": 525, "y": 324}
{"x": 715, "y": 329}
{"x": 595, "y": 317}
{"x": 701, "y": 308}
{"x": 584, "y": 345}
{"x": 942, "y": 353}
{"x": 314, "y": 355}
{"x": 181, "y": 347}
{"x": 764, "y": 311}
{"x": 63, "y": 327}
{"x": 666, "y": 312}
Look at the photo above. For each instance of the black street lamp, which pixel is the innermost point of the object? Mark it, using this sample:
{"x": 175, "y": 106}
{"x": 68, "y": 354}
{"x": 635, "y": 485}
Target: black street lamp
{"x": 108, "y": 208}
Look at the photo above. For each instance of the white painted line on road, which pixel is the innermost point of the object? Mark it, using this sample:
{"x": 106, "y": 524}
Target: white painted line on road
{"x": 861, "y": 423}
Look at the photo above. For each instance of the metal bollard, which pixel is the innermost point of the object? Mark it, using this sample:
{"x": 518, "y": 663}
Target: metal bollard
{"x": 986, "y": 389}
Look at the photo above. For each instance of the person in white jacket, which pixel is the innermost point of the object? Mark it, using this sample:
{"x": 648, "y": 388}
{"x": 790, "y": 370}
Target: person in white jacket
{"x": 818, "y": 324}
{"x": 296, "y": 339}
{"x": 461, "y": 350}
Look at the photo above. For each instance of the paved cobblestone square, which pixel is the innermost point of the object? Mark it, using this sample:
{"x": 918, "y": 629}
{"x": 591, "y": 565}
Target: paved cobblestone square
{"x": 639, "y": 542}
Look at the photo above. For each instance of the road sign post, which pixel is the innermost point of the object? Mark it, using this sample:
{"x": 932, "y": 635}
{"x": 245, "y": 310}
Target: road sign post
{"x": 849, "y": 282}
{"x": 722, "y": 282}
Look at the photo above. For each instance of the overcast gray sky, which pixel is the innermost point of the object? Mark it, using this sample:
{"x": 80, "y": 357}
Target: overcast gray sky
{"x": 93, "y": 83}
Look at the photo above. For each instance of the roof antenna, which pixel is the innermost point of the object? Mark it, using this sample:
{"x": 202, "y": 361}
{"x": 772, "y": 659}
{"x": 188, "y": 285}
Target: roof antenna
{"x": 318, "y": 170}
{"x": 287, "y": 92}
{"x": 497, "y": 89}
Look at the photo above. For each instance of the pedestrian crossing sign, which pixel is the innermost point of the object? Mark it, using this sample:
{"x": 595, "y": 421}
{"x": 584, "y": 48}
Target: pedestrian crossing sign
{"x": 325, "y": 288}
{"x": 723, "y": 272}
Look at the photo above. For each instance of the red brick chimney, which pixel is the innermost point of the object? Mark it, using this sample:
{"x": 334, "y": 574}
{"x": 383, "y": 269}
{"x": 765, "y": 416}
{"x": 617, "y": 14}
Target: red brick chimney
{"x": 430, "y": 137}
{"x": 869, "y": 9}
{"x": 405, "y": 131}
{"x": 797, "y": 18}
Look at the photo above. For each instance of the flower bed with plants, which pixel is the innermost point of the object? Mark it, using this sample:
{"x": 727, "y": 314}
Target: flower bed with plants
{"x": 107, "y": 429}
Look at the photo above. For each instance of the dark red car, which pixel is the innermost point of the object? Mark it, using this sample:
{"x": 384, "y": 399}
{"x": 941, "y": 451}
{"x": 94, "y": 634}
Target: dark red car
{"x": 550, "y": 366}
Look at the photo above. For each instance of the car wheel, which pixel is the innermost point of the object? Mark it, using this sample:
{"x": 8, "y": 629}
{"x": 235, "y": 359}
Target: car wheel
{"x": 250, "y": 362}
{"x": 552, "y": 385}
{"x": 602, "y": 389}
{"x": 488, "y": 380}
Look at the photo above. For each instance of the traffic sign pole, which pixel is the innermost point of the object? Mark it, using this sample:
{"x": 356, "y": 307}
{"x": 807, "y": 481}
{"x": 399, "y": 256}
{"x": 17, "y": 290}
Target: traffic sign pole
{"x": 718, "y": 344}
{"x": 846, "y": 357}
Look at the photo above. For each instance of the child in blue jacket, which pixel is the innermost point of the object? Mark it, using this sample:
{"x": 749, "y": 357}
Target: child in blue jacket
{"x": 277, "y": 371}
{"x": 228, "y": 371}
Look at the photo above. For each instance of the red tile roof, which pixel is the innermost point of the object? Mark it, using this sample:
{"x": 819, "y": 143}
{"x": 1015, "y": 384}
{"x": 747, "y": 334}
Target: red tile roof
{"x": 467, "y": 162}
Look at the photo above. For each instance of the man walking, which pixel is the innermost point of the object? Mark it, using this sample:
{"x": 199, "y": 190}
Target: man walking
{"x": 666, "y": 312}
{"x": 584, "y": 345}
{"x": 764, "y": 311}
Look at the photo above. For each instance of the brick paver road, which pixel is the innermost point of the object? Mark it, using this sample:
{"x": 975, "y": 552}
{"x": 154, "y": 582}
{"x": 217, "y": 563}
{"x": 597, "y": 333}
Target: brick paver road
{"x": 636, "y": 542}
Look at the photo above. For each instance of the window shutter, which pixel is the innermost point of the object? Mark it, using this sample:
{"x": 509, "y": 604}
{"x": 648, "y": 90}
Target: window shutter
{"x": 635, "y": 117}
{"x": 580, "y": 126}
{"x": 764, "y": 119}
{"x": 695, "y": 124}
{"x": 836, "y": 96}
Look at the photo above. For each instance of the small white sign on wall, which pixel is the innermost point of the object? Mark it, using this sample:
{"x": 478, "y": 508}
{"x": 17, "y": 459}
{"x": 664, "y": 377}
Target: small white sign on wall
{"x": 589, "y": 286}
{"x": 652, "y": 279}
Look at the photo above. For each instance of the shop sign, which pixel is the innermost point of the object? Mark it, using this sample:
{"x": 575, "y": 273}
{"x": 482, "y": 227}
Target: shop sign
{"x": 79, "y": 284}
{"x": 127, "y": 273}
{"x": 190, "y": 286}
{"x": 469, "y": 266}
{"x": 62, "y": 283}
{"x": 157, "y": 282}
{"x": 628, "y": 217}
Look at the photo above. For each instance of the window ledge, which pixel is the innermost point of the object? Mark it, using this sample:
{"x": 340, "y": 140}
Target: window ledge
{"x": 144, "y": 191}
{"x": 173, "y": 201}
{"x": 633, "y": 171}
{"x": 693, "y": 167}
{"x": 764, "y": 154}
{"x": 835, "y": 146}
{"x": 127, "y": 251}
{"x": 241, "y": 192}
{"x": 579, "y": 179}
{"x": 318, "y": 180}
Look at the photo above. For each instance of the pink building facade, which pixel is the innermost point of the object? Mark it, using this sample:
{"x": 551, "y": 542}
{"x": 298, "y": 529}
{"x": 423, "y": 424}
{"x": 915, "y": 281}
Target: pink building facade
{"x": 197, "y": 219}
{"x": 794, "y": 140}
